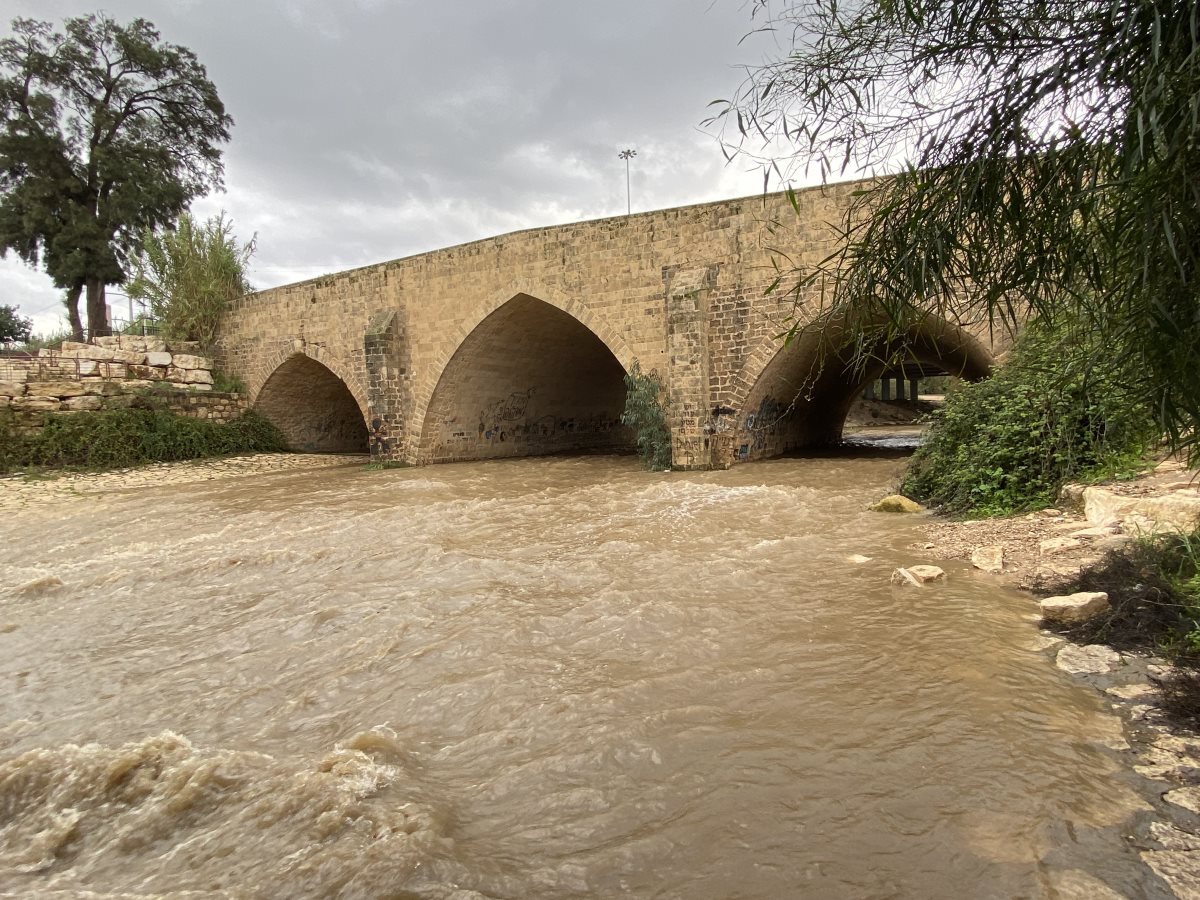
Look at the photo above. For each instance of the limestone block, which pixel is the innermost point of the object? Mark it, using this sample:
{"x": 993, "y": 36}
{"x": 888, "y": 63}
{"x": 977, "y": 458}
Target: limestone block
{"x": 155, "y": 345}
{"x": 896, "y": 503}
{"x": 35, "y": 404}
{"x": 137, "y": 384}
{"x": 174, "y": 373}
{"x": 129, "y": 357}
{"x": 102, "y": 388}
{"x": 158, "y": 358}
{"x": 88, "y": 367}
{"x": 184, "y": 346}
{"x": 989, "y": 559}
{"x": 67, "y": 345}
{"x": 1071, "y": 609}
{"x": 111, "y": 341}
{"x": 1059, "y": 545}
{"x": 76, "y": 404}
{"x": 1178, "y": 868}
{"x": 11, "y": 389}
{"x": 187, "y": 361}
{"x": 1093, "y": 659}
{"x": 55, "y": 388}
{"x": 100, "y": 354}
{"x": 198, "y": 376}
{"x": 133, "y": 342}
{"x": 148, "y": 373}
{"x": 200, "y": 387}
{"x": 917, "y": 575}
{"x": 113, "y": 370}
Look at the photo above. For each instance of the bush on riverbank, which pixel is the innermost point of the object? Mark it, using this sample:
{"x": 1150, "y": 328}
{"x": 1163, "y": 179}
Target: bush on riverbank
{"x": 1057, "y": 411}
{"x": 117, "y": 438}
{"x": 645, "y": 414}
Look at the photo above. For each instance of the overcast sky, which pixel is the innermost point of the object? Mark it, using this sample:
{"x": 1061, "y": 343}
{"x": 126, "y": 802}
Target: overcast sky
{"x": 366, "y": 130}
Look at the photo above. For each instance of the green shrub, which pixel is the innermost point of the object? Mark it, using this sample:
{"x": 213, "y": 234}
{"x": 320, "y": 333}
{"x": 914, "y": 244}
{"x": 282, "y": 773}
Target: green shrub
{"x": 645, "y": 414}
{"x": 117, "y": 438}
{"x": 1057, "y": 411}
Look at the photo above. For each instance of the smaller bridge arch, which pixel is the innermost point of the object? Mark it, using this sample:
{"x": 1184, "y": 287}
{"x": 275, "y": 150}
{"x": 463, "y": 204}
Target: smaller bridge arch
{"x": 313, "y": 404}
{"x": 528, "y": 377}
{"x": 799, "y": 395}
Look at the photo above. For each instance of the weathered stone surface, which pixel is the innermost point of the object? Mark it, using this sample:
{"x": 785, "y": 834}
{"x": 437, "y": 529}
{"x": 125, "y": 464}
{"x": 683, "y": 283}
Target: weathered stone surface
{"x": 129, "y": 357}
{"x": 1180, "y": 869}
{"x": 1173, "y": 838}
{"x": 35, "y": 404}
{"x": 1059, "y": 545}
{"x": 1075, "y": 884}
{"x": 917, "y": 575}
{"x": 192, "y": 347}
{"x": 54, "y": 389}
{"x": 157, "y": 358}
{"x": 989, "y": 559}
{"x": 87, "y": 367}
{"x": 147, "y": 373}
{"x": 176, "y": 374}
{"x": 1187, "y": 797}
{"x": 897, "y": 503}
{"x": 100, "y": 354}
{"x": 77, "y": 404}
{"x": 11, "y": 389}
{"x": 1051, "y": 513}
{"x": 102, "y": 388}
{"x": 198, "y": 376}
{"x": 1093, "y": 659}
{"x": 111, "y": 341}
{"x": 1072, "y": 609}
{"x": 187, "y": 361}
{"x": 200, "y": 387}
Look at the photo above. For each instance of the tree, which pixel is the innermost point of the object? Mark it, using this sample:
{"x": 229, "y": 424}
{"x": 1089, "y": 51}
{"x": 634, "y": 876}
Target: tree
{"x": 188, "y": 276}
{"x": 1043, "y": 160}
{"x": 13, "y": 327}
{"x": 106, "y": 132}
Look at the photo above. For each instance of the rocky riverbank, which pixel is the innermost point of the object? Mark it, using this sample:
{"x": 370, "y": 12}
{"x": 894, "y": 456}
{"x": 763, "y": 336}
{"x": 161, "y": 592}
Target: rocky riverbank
{"x": 1044, "y": 551}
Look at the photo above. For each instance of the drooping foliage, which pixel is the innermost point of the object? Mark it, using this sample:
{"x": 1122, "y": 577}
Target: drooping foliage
{"x": 188, "y": 276}
{"x": 645, "y": 414}
{"x": 105, "y": 131}
{"x": 1057, "y": 411}
{"x": 1044, "y": 161}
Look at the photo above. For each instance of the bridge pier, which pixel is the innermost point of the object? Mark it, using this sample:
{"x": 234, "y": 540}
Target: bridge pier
{"x": 687, "y": 295}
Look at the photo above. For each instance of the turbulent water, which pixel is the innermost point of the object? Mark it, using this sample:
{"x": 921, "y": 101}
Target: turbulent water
{"x": 527, "y": 679}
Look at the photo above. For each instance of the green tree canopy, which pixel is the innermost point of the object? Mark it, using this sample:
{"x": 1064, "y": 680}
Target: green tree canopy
{"x": 12, "y": 326}
{"x": 1044, "y": 159}
{"x": 105, "y": 131}
{"x": 188, "y": 275}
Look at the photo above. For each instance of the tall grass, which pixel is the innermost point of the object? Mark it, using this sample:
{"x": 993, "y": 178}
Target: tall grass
{"x": 118, "y": 438}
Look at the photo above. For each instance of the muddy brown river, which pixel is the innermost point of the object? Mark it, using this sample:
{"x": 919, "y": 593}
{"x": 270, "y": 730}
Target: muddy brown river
{"x": 534, "y": 679}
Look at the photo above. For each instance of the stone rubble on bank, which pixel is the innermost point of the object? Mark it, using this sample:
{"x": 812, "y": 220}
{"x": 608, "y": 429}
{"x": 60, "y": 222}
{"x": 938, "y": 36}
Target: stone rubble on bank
{"x": 1073, "y": 609}
{"x": 917, "y": 575}
{"x": 897, "y": 503}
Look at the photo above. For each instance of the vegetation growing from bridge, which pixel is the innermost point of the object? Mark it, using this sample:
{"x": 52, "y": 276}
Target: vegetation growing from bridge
{"x": 645, "y": 414}
{"x": 189, "y": 274}
{"x": 1058, "y": 411}
{"x": 1045, "y": 157}
{"x": 117, "y": 438}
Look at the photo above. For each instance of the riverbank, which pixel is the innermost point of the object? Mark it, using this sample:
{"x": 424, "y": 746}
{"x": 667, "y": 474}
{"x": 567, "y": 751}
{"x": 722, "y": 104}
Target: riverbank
{"x": 21, "y": 491}
{"x": 1047, "y": 552}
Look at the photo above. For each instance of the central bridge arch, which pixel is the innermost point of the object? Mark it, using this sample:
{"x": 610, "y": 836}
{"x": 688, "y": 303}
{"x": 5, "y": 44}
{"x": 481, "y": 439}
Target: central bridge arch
{"x": 529, "y": 379}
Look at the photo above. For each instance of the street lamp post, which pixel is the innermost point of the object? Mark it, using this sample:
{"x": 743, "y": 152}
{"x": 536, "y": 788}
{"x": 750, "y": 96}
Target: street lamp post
{"x": 627, "y": 155}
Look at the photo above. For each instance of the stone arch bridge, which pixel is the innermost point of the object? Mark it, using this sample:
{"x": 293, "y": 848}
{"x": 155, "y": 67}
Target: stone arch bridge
{"x": 518, "y": 345}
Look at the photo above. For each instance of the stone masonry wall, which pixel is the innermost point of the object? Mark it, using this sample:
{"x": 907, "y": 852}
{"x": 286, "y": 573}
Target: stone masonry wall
{"x": 395, "y": 334}
{"x": 112, "y": 373}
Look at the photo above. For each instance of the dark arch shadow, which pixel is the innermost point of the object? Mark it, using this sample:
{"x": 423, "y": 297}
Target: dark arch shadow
{"x": 804, "y": 394}
{"x": 529, "y": 380}
{"x": 313, "y": 408}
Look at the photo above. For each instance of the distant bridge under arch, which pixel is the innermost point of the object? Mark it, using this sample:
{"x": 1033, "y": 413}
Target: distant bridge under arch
{"x": 518, "y": 345}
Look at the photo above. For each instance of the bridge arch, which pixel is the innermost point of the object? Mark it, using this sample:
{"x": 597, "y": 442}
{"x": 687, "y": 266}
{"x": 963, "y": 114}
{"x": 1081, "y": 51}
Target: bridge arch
{"x": 799, "y": 394}
{"x": 526, "y": 376}
{"x": 314, "y": 404}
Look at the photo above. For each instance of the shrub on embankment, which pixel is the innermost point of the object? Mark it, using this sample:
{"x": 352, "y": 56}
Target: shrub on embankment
{"x": 1057, "y": 411}
{"x": 116, "y": 438}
